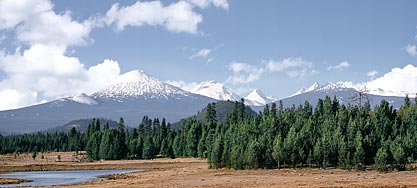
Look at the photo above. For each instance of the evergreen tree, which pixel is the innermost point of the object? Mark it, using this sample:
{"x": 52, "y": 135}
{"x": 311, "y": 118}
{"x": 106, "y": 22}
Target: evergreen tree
{"x": 278, "y": 151}
{"x": 406, "y": 101}
{"x": 120, "y": 147}
{"x": 149, "y": 148}
{"x": 73, "y": 141}
{"x": 106, "y": 144}
{"x": 359, "y": 155}
{"x": 381, "y": 159}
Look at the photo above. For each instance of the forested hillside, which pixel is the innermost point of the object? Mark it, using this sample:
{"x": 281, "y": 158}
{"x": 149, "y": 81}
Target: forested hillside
{"x": 331, "y": 134}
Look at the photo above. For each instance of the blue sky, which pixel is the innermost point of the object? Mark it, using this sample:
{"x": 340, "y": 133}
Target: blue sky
{"x": 276, "y": 46}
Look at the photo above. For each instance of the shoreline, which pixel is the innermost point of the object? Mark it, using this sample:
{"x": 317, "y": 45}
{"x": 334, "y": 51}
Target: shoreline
{"x": 192, "y": 172}
{"x": 7, "y": 181}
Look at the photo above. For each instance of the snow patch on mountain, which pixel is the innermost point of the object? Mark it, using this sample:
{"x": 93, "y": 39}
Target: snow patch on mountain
{"x": 258, "y": 98}
{"x": 83, "y": 99}
{"x": 136, "y": 84}
{"x": 215, "y": 90}
{"x": 307, "y": 89}
{"x": 329, "y": 86}
{"x": 340, "y": 86}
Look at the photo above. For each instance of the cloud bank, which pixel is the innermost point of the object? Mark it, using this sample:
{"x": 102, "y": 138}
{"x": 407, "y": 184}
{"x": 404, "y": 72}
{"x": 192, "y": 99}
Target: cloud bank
{"x": 187, "y": 86}
{"x": 176, "y": 17}
{"x": 398, "y": 80}
{"x": 294, "y": 67}
{"x": 342, "y": 65}
{"x": 41, "y": 69}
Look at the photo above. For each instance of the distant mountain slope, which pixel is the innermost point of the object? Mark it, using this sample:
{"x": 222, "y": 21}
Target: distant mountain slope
{"x": 222, "y": 108}
{"x": 342, "y": 92}
{"x": 82, "y": 125}
{"x": 131, "y": 96}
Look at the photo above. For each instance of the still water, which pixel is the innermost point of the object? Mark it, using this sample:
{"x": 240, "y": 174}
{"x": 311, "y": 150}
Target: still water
{"x": 42, "y": 178}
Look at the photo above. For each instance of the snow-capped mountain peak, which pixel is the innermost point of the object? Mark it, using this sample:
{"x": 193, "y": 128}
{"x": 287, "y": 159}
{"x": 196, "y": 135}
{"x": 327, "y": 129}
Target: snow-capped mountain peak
{"x": 215, "y": 90}
{"x": 332, "y": 86}
{"x": 133, "y": 76}
{"x": 83, "y": 99}
{"x": 329, "y": 86}
{"x": 258, "y": 98}
{"x": 307, "y": 89}
{"x": 136, "y": 84}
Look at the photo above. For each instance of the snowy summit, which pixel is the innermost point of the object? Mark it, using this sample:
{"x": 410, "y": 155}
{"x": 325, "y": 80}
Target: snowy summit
{"x": 83, "y": 99}
{"x": 329, "y": 86}
{"x": 215, "y": 90}
{"x": 136, "y": 84}
{"x": 258, "y": 98}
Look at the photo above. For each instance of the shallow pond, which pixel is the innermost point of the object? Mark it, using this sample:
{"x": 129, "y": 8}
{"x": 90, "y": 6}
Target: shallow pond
{"x": 42, "y": 178}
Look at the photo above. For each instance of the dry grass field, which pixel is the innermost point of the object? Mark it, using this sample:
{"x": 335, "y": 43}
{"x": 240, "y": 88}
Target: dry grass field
{"x": 184, "y": 173}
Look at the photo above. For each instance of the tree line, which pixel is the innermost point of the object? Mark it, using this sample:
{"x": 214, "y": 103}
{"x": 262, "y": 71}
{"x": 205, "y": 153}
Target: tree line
{"x": 328, "y": 135}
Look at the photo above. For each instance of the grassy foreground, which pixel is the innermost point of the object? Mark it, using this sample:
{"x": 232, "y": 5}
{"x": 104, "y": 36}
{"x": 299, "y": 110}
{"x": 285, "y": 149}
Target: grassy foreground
{"x": 195, "y": 173}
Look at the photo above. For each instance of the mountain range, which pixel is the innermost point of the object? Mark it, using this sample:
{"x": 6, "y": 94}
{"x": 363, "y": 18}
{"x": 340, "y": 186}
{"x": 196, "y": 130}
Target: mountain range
{"x": 344, "y": 93}
{"x": 218, "y": 91}
{"x": 135, "y": 94}
{"x": 131, "y": 96}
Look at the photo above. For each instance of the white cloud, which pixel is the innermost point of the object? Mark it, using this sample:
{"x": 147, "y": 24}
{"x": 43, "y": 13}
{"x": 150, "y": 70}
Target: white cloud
{"x": 399, "y": 80}
{"x": 176, "y": 17}
{"x": 243, "y": 73}
{"x": 14, "y": 12}
{"x": 47, "y": 72}
{"x": 34, "y": 22}
{"x": 206, "y": 3}
{"x": 293, "y": 67}
{"x": 203, "y": 53}
{"x": 10, "y": 98}
{"x": 411, "y": 50}
{"x": 41, "y": 68}
{"x": 372, "y": 73}
{"x": 342, "y": 65}
{"x": 187, "y": 86}
{"x": 49, "y": 28}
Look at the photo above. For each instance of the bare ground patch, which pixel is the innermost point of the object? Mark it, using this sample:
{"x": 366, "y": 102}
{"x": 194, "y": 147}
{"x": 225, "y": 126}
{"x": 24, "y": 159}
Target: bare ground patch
{"x": 184, "y": 173}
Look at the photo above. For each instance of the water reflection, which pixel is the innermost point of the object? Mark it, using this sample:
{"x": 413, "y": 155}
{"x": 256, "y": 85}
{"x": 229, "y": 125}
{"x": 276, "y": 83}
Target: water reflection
{"x": 43, "y": 178}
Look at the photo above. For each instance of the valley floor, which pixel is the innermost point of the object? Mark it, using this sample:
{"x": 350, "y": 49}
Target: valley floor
{"x": 195, "y": 173}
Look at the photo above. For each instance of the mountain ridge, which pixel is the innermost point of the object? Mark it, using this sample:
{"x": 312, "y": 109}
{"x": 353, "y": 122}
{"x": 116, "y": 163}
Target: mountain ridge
{"x": 216, "y": 91}
{"x": 131, "y": 96}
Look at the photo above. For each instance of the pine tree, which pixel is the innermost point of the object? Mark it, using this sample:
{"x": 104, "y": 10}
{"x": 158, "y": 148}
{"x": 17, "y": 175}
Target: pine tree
{"x": 93, "y": 146}
{"x": 398, "y": 154}
{"x": 106, "y": 147}
{"x": 381, "y": 159}
{"x": 406, "y": 101}
{"x": 215, "y": 159}
{"x": 73, "y": 142}
{"x": 359, "y": 155}
{"x": 278, "y": 151}
{"x": 149, "y": 148}
{"x": 120, "y": 141}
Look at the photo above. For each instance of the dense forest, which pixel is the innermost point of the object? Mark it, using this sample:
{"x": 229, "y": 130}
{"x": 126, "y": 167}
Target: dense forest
{"x": 330, "y": 135}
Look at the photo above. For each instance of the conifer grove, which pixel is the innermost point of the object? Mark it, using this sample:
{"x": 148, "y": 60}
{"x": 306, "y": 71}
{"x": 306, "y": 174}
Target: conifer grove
{"x": 328, "y": 135}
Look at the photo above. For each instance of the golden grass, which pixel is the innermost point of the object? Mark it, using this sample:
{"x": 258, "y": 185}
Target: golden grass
{"x": 187, "y": 173}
